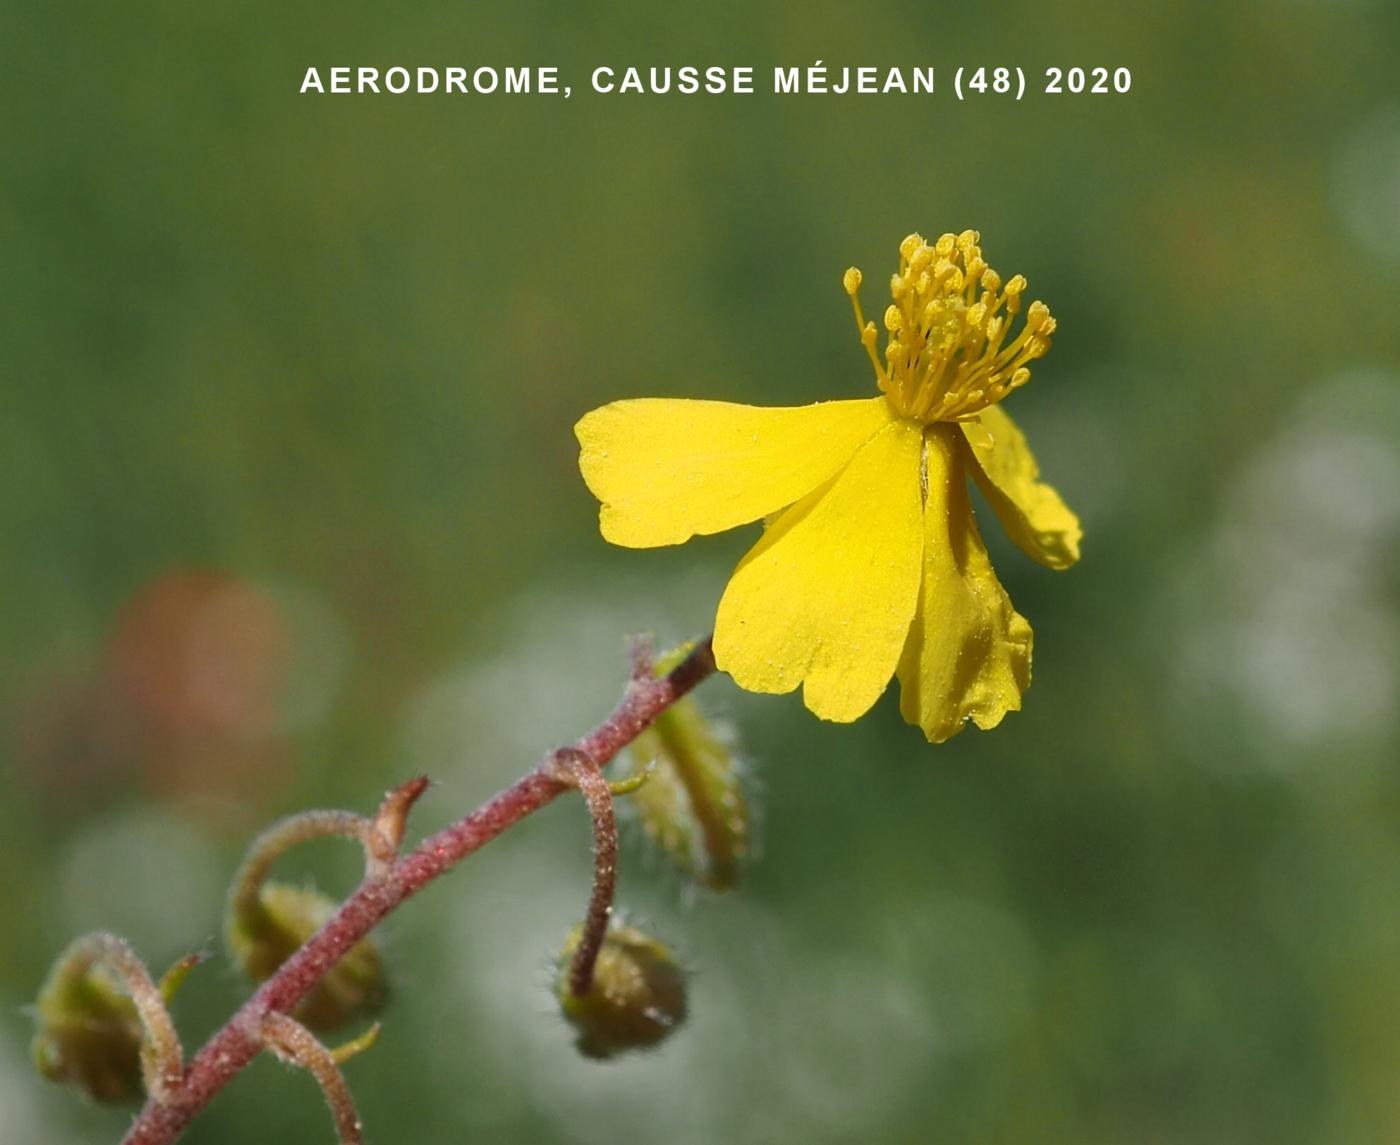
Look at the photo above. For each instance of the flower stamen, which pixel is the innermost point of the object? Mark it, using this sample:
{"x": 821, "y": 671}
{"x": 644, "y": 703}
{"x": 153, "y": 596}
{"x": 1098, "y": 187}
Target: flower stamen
{"x": 869, "y": 336}
{"x": 946, "y": 349}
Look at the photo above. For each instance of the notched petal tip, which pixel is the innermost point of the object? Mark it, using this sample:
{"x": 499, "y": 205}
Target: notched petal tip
{"x": 826, "y": 596}
{"x": 998, "y": 691}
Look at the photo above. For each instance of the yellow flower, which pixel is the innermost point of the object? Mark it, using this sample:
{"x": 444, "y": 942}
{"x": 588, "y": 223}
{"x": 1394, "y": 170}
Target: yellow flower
{"x": 870, "y": 561}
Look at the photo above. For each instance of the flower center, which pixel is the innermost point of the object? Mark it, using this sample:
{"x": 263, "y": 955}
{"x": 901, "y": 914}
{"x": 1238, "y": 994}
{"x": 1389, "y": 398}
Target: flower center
{"x": 947, "y": 354}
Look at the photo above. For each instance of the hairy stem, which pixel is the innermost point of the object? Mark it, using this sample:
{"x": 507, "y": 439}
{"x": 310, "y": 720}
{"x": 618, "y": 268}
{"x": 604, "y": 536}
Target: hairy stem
{"x": 288, "y": 1038}
{"x": 267, "y": 848}
{"x": 584, "y": 773}
{"x": 230, "y": 1049}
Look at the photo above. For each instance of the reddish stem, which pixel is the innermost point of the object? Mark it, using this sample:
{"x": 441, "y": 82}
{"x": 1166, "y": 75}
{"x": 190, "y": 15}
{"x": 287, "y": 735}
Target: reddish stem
{"x": 240, "y": 1039}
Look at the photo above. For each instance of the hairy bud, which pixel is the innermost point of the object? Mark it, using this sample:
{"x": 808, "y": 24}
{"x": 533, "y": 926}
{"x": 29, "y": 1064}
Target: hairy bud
{"x": 89, "y": 1033}
{"x": 637, "y": 997}
{"x": 263, "y": 933}
{"x": 693, "y": 806}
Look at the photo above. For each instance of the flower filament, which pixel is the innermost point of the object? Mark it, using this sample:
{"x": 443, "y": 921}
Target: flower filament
{"x": 946, "y": 352}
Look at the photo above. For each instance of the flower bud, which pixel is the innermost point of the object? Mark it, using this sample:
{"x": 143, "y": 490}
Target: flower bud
{"x": 693, "y": 806}
{"x": 89, "y": 1032}
{"x": 637, "y": 998}
{"x": 263, "y": 935}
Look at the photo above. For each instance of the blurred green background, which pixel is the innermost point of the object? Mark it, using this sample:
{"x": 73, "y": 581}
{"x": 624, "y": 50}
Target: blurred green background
{"x": 291, "y": 513}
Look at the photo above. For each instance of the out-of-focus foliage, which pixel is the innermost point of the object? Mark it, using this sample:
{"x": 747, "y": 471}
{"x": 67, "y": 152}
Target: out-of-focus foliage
{"x": 290, "y": 513}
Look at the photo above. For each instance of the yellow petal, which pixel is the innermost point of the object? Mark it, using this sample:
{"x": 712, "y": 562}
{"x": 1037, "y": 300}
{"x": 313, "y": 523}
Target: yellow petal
{"x": 827, "y": 595}
{"x": 969, "y": 651}
{"x": 668, "y": 469}
{"x": 1006, "y": 472}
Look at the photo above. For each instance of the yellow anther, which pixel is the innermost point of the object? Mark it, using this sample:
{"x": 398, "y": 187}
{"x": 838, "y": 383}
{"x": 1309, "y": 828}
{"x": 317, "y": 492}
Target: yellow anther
{"x": 1020, "y": 377}
{"x": 967, "y": 240}
{"x": 975, "y": 314}
{"x": 1015, "y": 285}
{"x": 893, "y": 319}
{"x": 945, "y": 244}
{"x": 851, "y": 280}
{"x": 991, "y": 280}
{"x": 1037, "y": 315}
{"x": 910, "y": 244}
